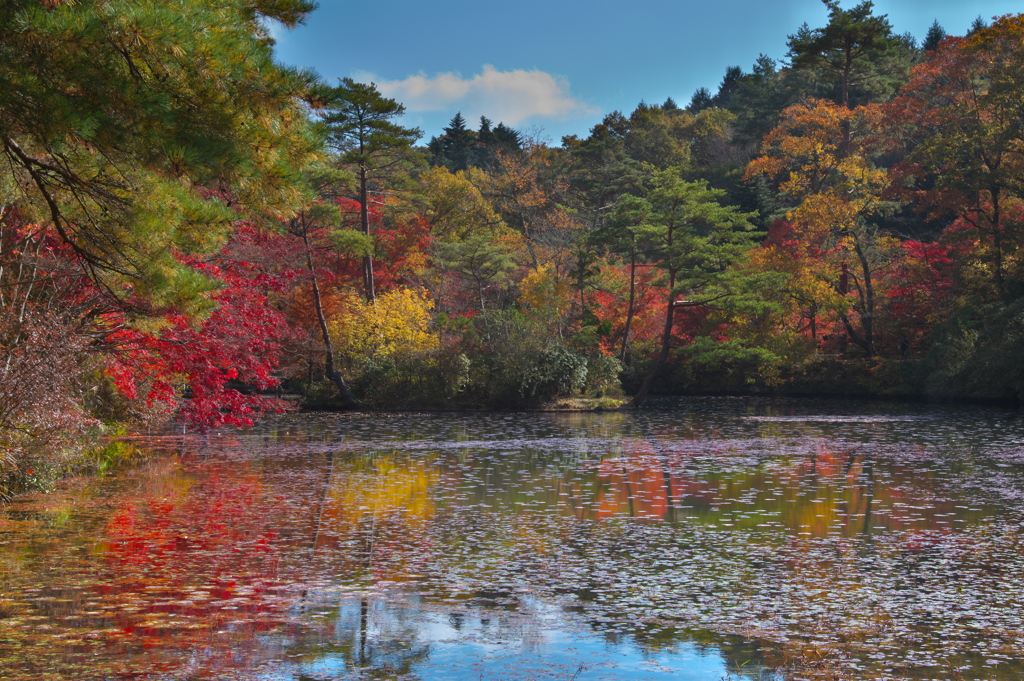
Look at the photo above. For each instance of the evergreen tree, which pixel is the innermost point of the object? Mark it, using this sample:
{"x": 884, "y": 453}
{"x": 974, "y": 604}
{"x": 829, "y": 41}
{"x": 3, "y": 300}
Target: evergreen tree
{"x": 485, "y": 136}
{"x": 936, "y": 34}
{"x": 701, "y": 100}
{"x": 457, "y": 144}
{"x": 601, "y": 171}
{"x": 854, "y": 49}
{"x": 460, "y": 148}
{"x": 491, "y": 141}
{"x": 139, "y": 131}
{"x": 759, "y": 100}
{"x": 360, "y": 126}
{"x": 658, "y": 137}
{"x": 696, "y": 240}
{"x": 727, "y": 88}
{"x": 507, "y": 138}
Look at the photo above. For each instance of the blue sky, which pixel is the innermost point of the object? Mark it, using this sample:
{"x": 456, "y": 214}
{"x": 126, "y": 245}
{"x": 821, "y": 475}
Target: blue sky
{"x": 556, "y": 67}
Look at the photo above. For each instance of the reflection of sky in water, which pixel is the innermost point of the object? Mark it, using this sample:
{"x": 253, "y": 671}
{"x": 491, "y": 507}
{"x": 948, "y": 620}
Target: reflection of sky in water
{"x": 478, "y": 644}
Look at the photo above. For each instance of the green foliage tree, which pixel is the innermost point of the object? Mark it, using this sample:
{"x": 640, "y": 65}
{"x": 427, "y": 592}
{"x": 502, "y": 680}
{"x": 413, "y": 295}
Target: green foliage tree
{"x": 621, "y": 235}
{"x": 455, "y": 147}
{"x": 600, "y": 171}
{"x": 360, "y": 125}
{"x": 459, "y": 148}
{"x": 760, "y": 98}
{"x": 701, "y": 99}
{"x": 855, "y": 51}
{"x": 491, "y": 141}
{"x": 728, "y": 87}
{"x": 695, "y": 241}
{"x": 936, "y": 34}
{"x": 480, "y": 262}
{"x": 139, "y": 131}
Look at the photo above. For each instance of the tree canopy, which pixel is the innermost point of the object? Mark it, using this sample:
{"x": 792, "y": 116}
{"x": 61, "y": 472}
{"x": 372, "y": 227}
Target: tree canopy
{"x": 178, "y": 119}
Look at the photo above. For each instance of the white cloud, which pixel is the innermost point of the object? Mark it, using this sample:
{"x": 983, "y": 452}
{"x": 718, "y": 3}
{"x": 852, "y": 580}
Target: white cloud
{"x": 511, "y": 97}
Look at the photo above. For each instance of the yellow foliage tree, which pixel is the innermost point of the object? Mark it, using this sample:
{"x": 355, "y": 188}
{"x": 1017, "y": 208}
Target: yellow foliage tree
{"x": 399, "y": 323}
{"x": 836, "y": 192}
{"x": 455, "y": 206}
{"x": 546, "y": 294}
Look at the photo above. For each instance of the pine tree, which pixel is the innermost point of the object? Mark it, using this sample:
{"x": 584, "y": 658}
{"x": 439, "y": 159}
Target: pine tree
{"x": 701, "y": 100}
{"x": 727, "y": 88}
{"x": 457, "y": 144}
{"x": 360, "y": 125}
{"x": 696, "y": 240}
{"x": 507, "y": 138}
{"x": 936, "y": 34}
{"x": 141, "y": 133}
{"x": 851, "y": 49}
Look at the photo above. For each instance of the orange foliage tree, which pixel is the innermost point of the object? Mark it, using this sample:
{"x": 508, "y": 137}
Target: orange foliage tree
{"x": 835, "y": 192}
{"x": 958, "y": 119}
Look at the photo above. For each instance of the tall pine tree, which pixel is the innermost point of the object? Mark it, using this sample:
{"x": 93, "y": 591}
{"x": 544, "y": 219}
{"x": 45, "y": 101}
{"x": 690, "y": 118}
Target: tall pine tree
{"x": 361, "y": 128}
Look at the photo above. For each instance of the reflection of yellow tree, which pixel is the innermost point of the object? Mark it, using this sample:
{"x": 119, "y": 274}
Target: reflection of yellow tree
{"x": 381, "y": 507}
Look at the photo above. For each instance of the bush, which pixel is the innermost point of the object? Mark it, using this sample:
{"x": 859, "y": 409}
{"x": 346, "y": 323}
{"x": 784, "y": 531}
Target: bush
{"x": 976, "y": 354}
{"x": 523, "y": 365}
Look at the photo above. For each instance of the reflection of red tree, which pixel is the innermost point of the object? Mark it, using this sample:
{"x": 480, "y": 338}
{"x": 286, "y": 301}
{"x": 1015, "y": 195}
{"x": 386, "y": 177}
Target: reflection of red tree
{"x": 191, "y": 560}
{"x": 207, "y": 530}
{"x": 645, "y": 484}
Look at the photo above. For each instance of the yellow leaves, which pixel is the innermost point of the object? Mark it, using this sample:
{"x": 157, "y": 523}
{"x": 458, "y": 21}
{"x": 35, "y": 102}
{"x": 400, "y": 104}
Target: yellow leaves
{"x": 824, "y": 168}
{"x": 455, "y": 206}
{"x": 809, "y": 144}
{"x": 542, "y": 290}
{"x": 823, "y": 213}
{"x": 398, "y": 323}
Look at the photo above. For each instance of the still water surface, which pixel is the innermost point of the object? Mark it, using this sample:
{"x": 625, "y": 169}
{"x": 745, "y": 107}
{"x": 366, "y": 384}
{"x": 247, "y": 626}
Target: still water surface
{"x": 698, "y": 540}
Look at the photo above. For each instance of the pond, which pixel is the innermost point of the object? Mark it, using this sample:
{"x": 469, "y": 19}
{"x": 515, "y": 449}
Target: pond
{"x": 700, "y": 539}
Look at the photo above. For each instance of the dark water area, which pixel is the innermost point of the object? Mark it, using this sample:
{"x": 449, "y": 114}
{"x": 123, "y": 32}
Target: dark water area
{"x": 700, "y": 539}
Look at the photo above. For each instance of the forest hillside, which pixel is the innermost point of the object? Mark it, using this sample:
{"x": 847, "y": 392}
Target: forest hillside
{"x": 190, "y": 229}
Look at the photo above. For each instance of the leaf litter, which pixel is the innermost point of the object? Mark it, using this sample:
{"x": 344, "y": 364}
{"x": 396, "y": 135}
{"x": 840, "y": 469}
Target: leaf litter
{"x": 884, "y": 544}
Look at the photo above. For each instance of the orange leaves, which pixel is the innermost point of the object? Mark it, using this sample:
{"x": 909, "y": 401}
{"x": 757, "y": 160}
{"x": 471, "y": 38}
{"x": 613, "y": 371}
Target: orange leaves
{"x": 832, "y": 183}
{"x": 959, "y": 120}
{"x": 806, "y": 152}
{"x": 822, "y": 155}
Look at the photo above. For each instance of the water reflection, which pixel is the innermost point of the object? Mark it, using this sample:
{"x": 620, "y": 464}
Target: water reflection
{"x": 705, "y": 538}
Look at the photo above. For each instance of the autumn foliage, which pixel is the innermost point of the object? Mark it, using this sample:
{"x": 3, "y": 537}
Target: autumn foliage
{"x": 858, "y": 218}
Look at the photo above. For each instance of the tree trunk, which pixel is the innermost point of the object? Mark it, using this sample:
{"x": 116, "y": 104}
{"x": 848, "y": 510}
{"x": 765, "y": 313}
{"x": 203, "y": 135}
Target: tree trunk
{"x": 867, "y": 319}
{"x": 364, "y": 223}
{"x": 845, "y": 95}
{"x": 666, "y": 336}
{"x": 666, "y": 343}
{"x": 997, "y": 242}
{"x": 332, "y": 374}
{"x": 632, "y": 298}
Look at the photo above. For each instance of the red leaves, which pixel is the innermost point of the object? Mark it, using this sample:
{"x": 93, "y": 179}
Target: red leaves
{"x": 919, "y": 286}
{"x": 210, "y": 370}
